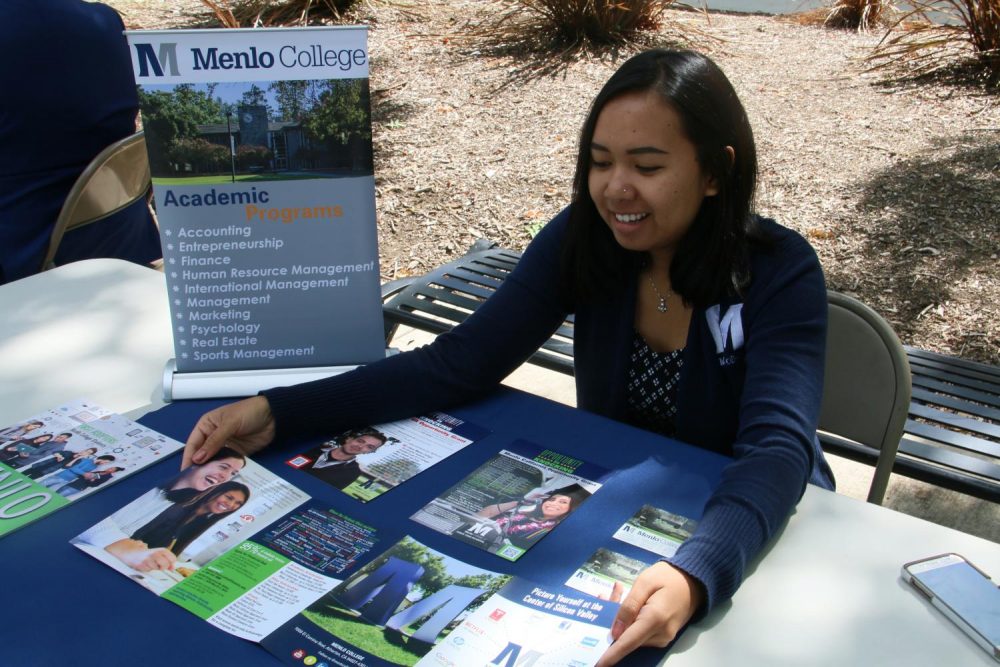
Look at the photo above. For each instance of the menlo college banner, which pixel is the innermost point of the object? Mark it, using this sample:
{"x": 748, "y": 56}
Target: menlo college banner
{"x": 260, "y": 148}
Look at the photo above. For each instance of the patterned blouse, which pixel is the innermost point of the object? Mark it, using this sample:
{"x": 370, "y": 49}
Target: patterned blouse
{"x": 651, "y": 390}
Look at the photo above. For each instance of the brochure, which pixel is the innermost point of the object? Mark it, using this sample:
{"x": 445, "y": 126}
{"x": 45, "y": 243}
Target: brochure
{"x": 189, "y": 519}
{"x": 607, "y": 575}
{"x": 513, "y": 500}
{"x": 413, "y": 605}
{"x": 62, "y": 455}
{"x": 260, "y": 149}
{"x": 232, "y": 543}
{"x": 365, "y": 463}
{"x": 656, "y": 530}
{"x": 529, "y": 624}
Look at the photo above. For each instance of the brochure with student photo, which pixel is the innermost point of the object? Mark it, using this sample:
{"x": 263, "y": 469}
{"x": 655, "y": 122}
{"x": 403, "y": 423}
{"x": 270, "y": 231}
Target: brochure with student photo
{"x": 67, "y": 453}
{"x": 366, "y": 462}
{"x": 190, "y": 518}
{"x": 391, "y": 612}
{"x": 232, "y": 543}
{"x": 513, "y": 500}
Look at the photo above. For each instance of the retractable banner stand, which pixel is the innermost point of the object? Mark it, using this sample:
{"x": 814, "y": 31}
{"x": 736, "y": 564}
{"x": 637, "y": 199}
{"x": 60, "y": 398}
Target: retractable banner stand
{"x": 260, "y": 149}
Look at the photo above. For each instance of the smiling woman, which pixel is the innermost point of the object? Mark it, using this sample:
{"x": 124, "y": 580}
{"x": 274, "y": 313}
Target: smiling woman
{"x": 197, "y": 484}
{"x": 695, "y": 318}
{"x": 177, "y": 526}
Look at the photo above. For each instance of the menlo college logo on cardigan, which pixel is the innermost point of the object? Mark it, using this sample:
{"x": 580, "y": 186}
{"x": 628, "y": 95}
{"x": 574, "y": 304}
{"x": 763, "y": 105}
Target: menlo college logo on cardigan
{"x": 727, "y": 331}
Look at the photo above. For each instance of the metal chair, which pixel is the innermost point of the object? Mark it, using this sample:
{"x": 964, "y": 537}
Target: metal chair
{"x": 116, "y": 178}
{"x": 866, "y": 390}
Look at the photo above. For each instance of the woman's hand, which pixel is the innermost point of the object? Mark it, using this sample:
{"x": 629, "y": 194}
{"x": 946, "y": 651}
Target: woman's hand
{"x": 138, "y": 556}
{"x": 248, "y": 426}
{"x": 661, "y": 601}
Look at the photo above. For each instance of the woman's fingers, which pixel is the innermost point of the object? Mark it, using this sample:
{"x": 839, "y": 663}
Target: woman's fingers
{"x": 156, "y": 559}
{"x": 247, "y": 425}
{"x": 205, "y": 438}
{"x": 661, "y": 601}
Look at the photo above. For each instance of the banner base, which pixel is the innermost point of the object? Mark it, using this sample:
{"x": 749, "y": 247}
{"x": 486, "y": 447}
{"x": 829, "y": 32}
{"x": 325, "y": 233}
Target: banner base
{"x": 236, "y": 384}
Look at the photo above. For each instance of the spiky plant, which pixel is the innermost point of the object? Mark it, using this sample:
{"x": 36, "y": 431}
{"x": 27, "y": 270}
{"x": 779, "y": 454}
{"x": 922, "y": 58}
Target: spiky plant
{"x": 860, "y": 15}
{"x": 937, "y": 34}
{"x": 574, "y": 23}
{"x": 254, "y": 13}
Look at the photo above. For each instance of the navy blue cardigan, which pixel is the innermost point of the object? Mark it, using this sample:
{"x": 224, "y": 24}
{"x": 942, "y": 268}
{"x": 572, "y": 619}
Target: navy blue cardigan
{"x": 750, "y": 385}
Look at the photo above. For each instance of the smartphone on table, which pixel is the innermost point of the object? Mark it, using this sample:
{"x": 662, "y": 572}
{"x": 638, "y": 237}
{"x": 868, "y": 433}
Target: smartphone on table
{"x": 963, "y": 593}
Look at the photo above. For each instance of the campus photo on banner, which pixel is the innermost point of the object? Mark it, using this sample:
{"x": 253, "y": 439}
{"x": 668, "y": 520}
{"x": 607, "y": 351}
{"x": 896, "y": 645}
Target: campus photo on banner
{"x": 260, "y": 150}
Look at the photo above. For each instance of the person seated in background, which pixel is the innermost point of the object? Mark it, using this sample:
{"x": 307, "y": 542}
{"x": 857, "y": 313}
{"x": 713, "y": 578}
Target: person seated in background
{"x": 69, "y": 94}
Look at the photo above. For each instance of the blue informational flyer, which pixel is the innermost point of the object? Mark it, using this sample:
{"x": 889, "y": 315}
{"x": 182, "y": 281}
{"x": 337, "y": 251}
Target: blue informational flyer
{"x": 260, "y": 149}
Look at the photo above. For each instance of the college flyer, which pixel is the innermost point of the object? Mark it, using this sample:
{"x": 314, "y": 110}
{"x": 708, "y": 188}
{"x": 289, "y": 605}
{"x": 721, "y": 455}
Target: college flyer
{"x": 607, "y": 575}
{"x": 391, "y": 612}
{"x": 513, "y": 500}
{"x": 179, "y": 526}
{"x": 232, "y": 543}
{"x": 529, "y": 624}
{"x": 62, "y": 455}
{"x": 364, "y": 463}
{"x": 656, "y": 530}
{"x": 413, "y": 605}
{"x": 260, "y": 149}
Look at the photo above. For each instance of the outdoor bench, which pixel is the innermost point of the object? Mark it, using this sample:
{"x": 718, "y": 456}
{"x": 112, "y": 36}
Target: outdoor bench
{"x": 952, "y": 433}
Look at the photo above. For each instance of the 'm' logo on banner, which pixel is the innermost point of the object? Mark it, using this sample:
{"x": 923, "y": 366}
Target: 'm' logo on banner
{"x": 148, "y": 60}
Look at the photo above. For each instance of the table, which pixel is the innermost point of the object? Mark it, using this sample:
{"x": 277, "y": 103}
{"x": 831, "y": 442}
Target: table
{"x": 827, "y": 592}
{"x": 98, "y": 329}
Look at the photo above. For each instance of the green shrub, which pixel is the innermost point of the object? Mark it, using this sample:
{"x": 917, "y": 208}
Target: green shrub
{"x": 248, "y": 156}
{"x": 198, "y": 156}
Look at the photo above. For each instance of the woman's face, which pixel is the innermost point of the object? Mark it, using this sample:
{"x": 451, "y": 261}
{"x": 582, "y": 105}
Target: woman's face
{"x": 90, "y": 451}
{"x": 214, "y": 472}
{"x": 645, "y": 179}
{"x": 41, "y": 439}
{"x": 230, "y": 501}
{"x": 556, "y": 506}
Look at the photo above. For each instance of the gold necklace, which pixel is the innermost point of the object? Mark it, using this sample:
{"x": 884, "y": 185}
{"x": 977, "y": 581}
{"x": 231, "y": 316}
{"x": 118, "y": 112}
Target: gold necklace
{"x": 662, "y": 305}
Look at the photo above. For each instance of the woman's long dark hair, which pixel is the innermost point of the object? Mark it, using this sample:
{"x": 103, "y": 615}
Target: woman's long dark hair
{"x": 178, "y": 526}
{"x": 711, "y": 260}
{"x": 576, "y": 494}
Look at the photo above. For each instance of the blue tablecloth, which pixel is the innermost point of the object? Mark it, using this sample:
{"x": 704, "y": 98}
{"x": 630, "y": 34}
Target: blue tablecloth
{"x": 60, "y": 606}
